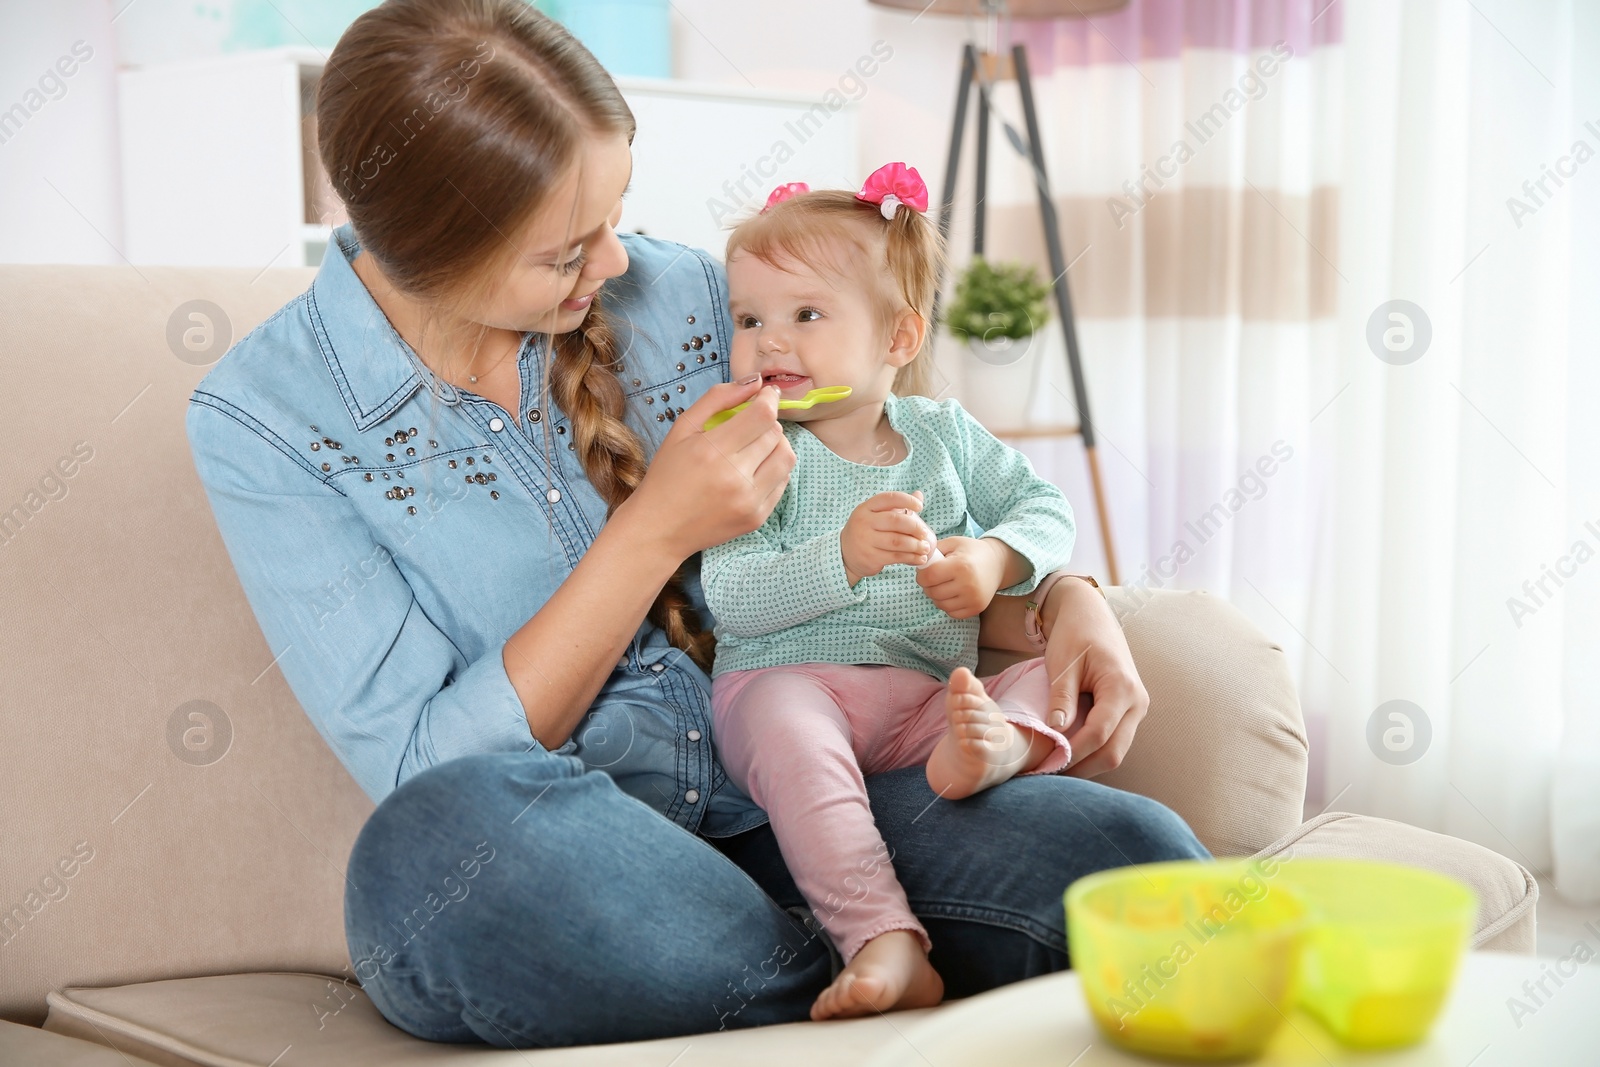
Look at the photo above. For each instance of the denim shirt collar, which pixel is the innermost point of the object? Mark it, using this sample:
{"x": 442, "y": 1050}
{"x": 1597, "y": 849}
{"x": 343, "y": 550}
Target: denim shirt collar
{"x": 375, "y": 369}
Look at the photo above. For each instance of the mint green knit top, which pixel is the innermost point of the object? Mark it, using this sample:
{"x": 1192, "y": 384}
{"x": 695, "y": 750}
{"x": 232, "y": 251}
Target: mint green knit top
{"x": 779, "y": 593}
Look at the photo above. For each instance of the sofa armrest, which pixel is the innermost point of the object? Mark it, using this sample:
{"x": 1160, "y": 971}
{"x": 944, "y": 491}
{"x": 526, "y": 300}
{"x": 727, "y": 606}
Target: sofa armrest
{"x": 1223, "y": 744}
{"x": 1508, "y": 896}
{"x": 28, "y": 1046}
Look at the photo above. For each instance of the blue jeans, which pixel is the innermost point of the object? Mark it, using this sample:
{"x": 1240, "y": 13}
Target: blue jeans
{"x": 522, "y": 900}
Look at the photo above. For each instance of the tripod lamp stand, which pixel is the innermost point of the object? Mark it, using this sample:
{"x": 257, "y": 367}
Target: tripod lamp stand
{"x": 983, "y": 68}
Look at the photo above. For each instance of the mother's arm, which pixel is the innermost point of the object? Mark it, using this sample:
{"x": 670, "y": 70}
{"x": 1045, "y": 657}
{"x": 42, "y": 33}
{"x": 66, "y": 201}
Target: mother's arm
{"x": 1087, "y": 657}
{"x": 389, "y": 691}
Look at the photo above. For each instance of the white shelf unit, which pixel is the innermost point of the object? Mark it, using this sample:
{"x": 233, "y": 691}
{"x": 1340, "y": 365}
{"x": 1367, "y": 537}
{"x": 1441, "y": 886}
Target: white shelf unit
{"x": 214, "y": 161}
{"x": 220, "y": 165}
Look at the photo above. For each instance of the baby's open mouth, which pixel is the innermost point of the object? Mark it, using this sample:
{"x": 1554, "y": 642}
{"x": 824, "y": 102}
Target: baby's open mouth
{"x": 784, "y": 380}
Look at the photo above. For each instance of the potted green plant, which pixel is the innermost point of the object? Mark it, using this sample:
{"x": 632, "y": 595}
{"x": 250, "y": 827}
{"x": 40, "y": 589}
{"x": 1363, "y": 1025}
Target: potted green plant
{"x": 997, "y": 306}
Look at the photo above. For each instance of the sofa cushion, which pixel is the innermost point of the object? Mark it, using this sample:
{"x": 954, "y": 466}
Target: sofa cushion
{"x": 1507, "y": 893}
{"x": 1223, "y": 744}
{"x": 140, "y": 842}
{"x": 254, "y": 1019}
{"x": 28, "y": 1046}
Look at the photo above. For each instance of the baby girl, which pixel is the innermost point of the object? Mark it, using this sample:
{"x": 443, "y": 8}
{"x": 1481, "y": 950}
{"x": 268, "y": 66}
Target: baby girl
{"x": 847, "y": 623}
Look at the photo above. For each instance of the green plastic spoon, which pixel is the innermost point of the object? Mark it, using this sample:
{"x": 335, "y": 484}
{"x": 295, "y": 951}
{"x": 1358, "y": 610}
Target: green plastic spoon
{"x": 816, "y": 396}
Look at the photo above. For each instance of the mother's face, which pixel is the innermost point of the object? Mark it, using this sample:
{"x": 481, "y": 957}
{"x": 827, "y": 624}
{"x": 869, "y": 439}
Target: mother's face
{"x": 568, "y": 248}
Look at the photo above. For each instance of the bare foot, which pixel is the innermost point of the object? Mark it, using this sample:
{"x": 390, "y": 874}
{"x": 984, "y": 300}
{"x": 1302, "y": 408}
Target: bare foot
{"x": 982, "y": 748}
{"x": 890, "y": 972}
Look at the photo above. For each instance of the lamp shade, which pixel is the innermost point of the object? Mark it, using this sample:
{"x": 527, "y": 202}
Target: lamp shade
{"x": 1020, "y": 9}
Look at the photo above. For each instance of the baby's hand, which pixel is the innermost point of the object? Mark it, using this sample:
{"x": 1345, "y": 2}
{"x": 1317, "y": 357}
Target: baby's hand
{"x": 965, "y": 580}
{"x": 883, "y": 529}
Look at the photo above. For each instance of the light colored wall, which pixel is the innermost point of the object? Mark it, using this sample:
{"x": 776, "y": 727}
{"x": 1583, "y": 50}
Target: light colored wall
{"x": 71, "y": 142}
{"x": 59, "y": 194}
{"x": 809, "y": 47}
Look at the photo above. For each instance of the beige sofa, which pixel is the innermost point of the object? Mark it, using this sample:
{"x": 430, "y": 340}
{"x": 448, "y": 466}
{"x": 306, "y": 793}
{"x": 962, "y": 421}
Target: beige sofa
{"x": 167, "y": 906}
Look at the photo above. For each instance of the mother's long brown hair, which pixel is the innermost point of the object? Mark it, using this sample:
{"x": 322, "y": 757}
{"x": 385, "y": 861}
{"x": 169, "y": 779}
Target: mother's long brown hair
{"x": 443, "y": 126}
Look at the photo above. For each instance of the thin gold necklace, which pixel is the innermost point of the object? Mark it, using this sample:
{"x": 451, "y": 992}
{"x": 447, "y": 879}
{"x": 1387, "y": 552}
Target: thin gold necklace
{"x": 473, "y": 378}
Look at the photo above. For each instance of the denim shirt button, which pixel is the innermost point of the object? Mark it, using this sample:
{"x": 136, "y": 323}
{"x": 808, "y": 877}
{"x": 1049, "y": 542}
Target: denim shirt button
{"x": 692, "y": 795}
{"x": 694, "y": 735}
{"x": 553, "y": 495}
{"x": 497, "y": 424}
{"x": 658, "y": 666}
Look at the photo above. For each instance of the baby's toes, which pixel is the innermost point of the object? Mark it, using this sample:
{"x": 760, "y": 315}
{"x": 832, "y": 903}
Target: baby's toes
{"x": 965, "y": 690}
{"x": 973, "y": 722}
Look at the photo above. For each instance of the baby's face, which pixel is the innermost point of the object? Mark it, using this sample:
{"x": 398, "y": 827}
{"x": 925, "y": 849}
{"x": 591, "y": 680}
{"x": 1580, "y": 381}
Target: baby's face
{"x": 802, "y": 330}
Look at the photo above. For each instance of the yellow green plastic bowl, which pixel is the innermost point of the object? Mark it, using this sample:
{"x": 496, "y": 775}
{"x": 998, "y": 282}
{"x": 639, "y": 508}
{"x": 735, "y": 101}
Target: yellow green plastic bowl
{"x": 1194, "y": 959}
{"x": 1385, "y": 944}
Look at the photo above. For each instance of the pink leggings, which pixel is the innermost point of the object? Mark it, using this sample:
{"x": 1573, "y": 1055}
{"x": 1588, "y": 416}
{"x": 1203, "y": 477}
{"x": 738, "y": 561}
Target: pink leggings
{"x": 799, "y": 739}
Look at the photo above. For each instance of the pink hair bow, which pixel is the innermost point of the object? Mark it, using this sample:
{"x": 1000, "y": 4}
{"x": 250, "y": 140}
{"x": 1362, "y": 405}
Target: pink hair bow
{"x": 894, "y": 184}
{"x": 784, "y": 192}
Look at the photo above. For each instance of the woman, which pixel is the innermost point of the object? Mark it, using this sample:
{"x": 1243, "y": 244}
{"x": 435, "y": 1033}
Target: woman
{"x": 486, "y": 593}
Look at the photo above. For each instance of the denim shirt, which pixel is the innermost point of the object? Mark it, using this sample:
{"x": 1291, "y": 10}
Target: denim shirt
{"x": 389, "y": 544}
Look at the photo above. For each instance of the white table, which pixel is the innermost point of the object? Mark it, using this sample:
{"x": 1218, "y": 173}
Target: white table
{"x": 1044, "y": 1021}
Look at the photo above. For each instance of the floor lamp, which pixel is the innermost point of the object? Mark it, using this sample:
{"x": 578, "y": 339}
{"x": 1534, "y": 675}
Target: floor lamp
{"x": 983, "y": 68}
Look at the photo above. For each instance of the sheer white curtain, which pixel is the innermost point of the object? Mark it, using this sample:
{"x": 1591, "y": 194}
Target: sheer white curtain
{"x": 1409, "y": 504}
{"x": 1459, "y": 548}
